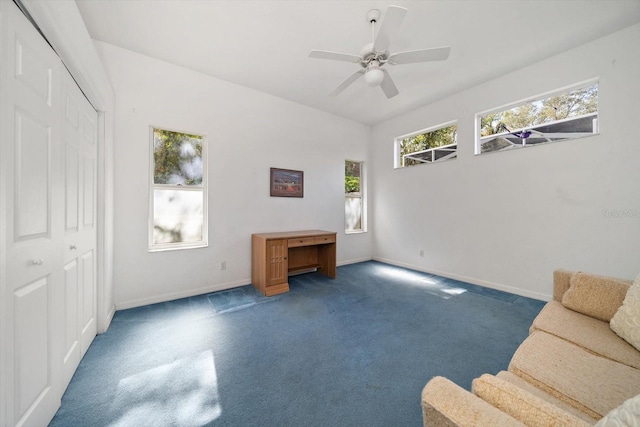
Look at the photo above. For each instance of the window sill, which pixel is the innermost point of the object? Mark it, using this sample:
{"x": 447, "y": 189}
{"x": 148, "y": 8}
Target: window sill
{"x": 177, "y": 247}
{"x": 356, "y": 232}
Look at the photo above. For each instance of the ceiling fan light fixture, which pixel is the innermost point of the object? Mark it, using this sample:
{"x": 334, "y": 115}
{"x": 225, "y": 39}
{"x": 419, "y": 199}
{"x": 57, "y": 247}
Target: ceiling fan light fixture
{"x": 374, "y": 77}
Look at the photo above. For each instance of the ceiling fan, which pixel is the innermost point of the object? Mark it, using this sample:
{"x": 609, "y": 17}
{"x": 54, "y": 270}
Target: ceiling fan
{"x": 375, "y": 55}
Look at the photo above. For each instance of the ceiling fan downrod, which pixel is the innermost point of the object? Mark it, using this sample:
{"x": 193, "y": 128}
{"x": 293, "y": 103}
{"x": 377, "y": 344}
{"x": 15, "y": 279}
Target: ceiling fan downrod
{"x": 372, "y": 17}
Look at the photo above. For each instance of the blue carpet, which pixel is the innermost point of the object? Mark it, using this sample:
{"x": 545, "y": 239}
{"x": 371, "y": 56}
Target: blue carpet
{"x": 352, "y": 351}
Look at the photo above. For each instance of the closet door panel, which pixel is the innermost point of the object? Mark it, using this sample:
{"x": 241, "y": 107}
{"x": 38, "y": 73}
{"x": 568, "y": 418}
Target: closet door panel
{"x": 71, "y": 313}
{"x": 89, "y": 190}
{"x": 33, "y": 71}
{"x": 32, "y": 363}
{"x": 72, "y": 187}
{"x": 88, "y": 312}
{"x": 32, "y": 166}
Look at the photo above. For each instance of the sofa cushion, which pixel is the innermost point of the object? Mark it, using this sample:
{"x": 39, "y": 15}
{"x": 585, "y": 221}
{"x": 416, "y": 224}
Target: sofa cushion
{"x": 590, "y": 383}
{"x": 626, "y": 321}
{"x": 627, "y": 414}
{"x": 591, "y": 334}
{"x": 444, "y": 403}
{"x": 595, "y": 296}
{"x": 522, "y": 405}
{"x": 527, "y": 386}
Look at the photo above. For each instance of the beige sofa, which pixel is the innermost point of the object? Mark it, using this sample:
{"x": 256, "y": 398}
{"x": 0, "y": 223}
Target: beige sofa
{"x": 573, "y": 369}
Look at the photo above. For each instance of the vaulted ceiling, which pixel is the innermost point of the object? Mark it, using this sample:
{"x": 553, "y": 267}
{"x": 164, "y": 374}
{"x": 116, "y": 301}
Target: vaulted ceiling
{"x": 264, "y": 45}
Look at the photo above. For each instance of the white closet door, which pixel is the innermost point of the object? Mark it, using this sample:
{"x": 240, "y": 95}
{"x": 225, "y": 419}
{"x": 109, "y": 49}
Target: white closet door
{"x": 31, "y": 159}
{"x": 48, "y": 136}
{"x": 79, "y": 135}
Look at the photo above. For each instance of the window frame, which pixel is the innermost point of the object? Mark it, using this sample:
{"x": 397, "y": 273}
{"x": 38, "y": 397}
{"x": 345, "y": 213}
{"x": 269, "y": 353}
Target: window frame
{"x": 397, "y": 158}
{"x": 361, "y": 196}
{"x": 538, "y": 97}
{"x": 203, "y": 188}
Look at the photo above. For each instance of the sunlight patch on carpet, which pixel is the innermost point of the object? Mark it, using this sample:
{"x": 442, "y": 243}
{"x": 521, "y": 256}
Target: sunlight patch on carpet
{"x": 433, "y": 284}
{"x": 399, "y": 273}
{"x": 183, "y": 393}
{"x": 440, "y": 289}
{"x": 234, "y": 299}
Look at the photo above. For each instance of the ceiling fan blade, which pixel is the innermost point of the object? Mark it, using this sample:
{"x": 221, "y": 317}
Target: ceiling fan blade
{"x": 336, "y": 56}
{"x": 342, "y": 86}
{"x": 423, "y": 55}
{"x": 388, "y": 87}
{"x": 390, "y": 24}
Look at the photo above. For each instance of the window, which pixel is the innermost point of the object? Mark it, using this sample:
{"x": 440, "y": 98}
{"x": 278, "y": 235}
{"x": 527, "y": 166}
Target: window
{"x": 566, "y": 114}
{"x": 178, "y": 211}
{"x": 354, "y": 204}
{"x": 428, "y": 146}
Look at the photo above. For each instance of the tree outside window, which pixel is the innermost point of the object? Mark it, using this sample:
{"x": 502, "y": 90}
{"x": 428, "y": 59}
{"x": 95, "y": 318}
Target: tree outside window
{"x": 569, "y": 114}
{"x": 428, "y": 147}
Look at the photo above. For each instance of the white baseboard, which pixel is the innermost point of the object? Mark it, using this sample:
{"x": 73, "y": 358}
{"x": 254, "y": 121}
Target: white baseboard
{"x": 178, "y": 295}
{"x": 472, "y": 280}
{"x": 353, "y": 261}
{"x": 223, "y": 286}
{"x": 208, "y": 289}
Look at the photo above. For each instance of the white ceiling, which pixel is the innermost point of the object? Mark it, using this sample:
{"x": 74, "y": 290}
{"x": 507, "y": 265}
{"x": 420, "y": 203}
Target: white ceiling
{"x": 264, "y": 45}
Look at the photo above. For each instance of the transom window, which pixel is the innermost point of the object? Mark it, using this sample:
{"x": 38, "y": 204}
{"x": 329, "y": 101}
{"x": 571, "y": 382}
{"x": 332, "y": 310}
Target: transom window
{"x": 432, "y": 145}
{"x": 566, "y": 114}
{"x": 178, "y": 211}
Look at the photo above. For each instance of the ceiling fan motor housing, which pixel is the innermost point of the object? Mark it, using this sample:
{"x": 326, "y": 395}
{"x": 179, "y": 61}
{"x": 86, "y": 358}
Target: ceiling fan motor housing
{"x": 368, "y": 54}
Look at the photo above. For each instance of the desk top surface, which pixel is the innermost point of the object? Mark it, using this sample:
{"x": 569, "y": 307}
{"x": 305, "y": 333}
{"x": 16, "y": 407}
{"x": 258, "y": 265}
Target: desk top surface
{"x": 293, "y": 234}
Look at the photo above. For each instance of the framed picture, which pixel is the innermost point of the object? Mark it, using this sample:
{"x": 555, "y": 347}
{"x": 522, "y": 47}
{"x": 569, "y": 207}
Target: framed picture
{"x": 286, "y": 183}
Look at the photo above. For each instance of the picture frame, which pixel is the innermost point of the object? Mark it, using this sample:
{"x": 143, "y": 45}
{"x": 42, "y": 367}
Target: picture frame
{"x": 286, "y": 183}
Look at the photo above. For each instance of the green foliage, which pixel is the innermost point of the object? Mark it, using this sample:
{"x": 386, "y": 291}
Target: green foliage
{"x": 566, "y": 105}
{"x": 351, "y": 184}
{"x": 352, "y": 176}
{"x": 177, "y": 158}
{"x": 425, "y": 141}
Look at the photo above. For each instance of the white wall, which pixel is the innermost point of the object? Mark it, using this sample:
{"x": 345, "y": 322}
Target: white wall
{"x": 248, "y": 132}
{"x": 506, "y": 220}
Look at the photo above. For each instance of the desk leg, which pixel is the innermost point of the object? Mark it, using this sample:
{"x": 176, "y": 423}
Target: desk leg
{"x": 327, "y": 259}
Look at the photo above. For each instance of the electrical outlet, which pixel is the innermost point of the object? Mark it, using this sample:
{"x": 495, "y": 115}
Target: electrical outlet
{"x": 223, "y": 265}
{"x": 421, "y": 252}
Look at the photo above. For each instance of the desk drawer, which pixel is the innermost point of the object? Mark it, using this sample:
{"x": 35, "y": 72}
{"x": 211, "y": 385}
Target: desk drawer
{"x": 324, "y": 239}
{"x": 301, "y": 241}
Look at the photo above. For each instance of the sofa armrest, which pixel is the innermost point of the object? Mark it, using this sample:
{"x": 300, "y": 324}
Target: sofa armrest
{"x": 447, "y": 404}
{"x": 561, "y": 282}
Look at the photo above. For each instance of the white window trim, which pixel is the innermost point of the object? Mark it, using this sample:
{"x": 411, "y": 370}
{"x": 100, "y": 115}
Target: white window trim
{"x": 362, "y": 196}
{"x": 538, "y": 97}
{"x": 397, "y": 159}
{"x": 161, "y": 247}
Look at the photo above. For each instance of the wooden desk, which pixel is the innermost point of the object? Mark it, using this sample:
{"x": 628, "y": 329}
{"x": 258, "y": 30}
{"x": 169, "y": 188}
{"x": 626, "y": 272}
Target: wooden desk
{"x": 275, "y": 255}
